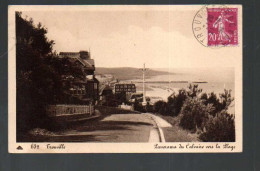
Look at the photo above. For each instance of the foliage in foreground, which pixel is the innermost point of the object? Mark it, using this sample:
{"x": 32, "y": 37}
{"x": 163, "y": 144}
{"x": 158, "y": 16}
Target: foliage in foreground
{"x": 204, "y": 113}
{"x": 211, "y": 120}
{"x": 39, "y": 75}
{"x": 220, "y": 128}
{"x": 37, "y": 82}
{"x": 194, "y": 114}
{"x": 175, "y": 102}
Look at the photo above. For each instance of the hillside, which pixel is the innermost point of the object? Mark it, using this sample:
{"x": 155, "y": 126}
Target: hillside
{"x": 127, "y": 73}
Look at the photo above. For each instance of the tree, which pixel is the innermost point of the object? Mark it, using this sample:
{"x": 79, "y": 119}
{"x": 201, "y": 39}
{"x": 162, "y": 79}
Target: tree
{"x": 160, "y": 107}
{"x": 193, "y": 90}
{"x": 220, "y": 128}
{"x": 221, "y": 103}
{"x": 38, "y": 82}
{"x": 175, "y": 102}
{"x": 226, "y": 99}
{"x": 194, "y": 114}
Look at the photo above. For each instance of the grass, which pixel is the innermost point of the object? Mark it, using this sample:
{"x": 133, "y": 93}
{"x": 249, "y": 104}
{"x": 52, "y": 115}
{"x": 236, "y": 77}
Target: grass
{"x": 176, "y": 133}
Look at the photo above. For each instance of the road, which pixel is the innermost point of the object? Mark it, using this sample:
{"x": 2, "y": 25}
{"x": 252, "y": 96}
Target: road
{"x": 113, "y": 128}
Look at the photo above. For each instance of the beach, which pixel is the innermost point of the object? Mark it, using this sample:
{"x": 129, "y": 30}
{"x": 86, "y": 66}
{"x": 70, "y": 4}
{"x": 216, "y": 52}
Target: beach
{"x": 209, "y": 80}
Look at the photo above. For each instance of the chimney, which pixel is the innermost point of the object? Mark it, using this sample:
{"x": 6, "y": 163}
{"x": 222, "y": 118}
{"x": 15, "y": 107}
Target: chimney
{"x": 84, "y": 54}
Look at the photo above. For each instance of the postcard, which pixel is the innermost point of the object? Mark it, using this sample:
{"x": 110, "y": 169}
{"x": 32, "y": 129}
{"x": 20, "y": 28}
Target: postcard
{"x": 125, "y": 78}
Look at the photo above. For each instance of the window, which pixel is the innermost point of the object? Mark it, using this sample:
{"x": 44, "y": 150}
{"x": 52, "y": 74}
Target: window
{"x": 95, "y": 86}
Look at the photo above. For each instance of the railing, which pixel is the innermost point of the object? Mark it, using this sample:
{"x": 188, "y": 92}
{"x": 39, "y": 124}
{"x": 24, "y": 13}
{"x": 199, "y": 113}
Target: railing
{"x": 63, "y": 110}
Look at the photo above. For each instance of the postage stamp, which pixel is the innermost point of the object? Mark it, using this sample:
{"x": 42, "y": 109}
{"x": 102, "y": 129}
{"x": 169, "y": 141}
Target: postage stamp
{"x": 222, "y": 26}
{"x": 216, "y": 26}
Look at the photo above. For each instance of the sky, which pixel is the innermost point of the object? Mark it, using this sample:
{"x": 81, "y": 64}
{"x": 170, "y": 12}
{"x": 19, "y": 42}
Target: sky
{"x": 161, "y": 37}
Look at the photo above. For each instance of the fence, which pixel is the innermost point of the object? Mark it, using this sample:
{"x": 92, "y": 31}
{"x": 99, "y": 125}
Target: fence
{"x": 62, "y": 110}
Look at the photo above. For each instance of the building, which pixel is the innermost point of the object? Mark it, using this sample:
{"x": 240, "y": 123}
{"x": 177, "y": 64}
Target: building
{"x": 124, "y": 91}
{"x": 105, "y": 90}
{"x": 92, "y": 87}
{"x": 106, "y": 95}
{"x": 82, "y": 58}
{"x": 86, "y": 88}
{"x": 125, "y": 88}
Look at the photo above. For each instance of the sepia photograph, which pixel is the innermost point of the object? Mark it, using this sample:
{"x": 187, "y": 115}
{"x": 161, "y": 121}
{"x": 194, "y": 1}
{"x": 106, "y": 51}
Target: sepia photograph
{"x": 125, "y": 78}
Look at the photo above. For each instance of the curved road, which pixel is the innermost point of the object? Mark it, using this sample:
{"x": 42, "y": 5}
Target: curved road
{"x": 115, "y": 128}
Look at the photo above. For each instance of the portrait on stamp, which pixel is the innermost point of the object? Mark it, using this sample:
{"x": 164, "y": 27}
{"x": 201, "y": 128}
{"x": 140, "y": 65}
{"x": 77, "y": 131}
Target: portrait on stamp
{"x": 125, "y": 78}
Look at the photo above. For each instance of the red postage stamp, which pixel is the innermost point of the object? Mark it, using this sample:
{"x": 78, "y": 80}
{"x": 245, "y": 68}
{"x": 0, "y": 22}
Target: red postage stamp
{"x": 222, "y": 26}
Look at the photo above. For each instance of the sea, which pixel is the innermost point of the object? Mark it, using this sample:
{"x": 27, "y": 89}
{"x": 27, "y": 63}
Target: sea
{"x": 215, "y": 80}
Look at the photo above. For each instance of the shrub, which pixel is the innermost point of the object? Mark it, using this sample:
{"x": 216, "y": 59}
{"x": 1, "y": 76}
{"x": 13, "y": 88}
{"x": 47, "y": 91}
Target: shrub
{"x": 138, "y": 106}
{"x": 212, "y": 98}
{"x": 110, "y": 100}
{"x": 193, "y": 90}
{"x": 149, "y": 108}
{"x": 220, "y": 128}
{"x": 194, "y": 114}
{"x": 160, "y": 107}
{"x": 226, "y": 99}
{"x": 219, "y": 104}
{"x": 175, "y": 102}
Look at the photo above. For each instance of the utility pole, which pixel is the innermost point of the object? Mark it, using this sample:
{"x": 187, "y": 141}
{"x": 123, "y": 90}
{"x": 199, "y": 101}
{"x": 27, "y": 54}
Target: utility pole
{"x": 144, "y": 99}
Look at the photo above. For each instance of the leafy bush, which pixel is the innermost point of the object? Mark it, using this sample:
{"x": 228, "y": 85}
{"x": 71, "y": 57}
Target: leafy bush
{"x": 226, "y": 99}
{"x": 212, "y": 98}
{"x": 175, "y": 102}
{"x": 220, "y": 128}
{"x": 194, "y": 114}
{"x": 219, "y": 104}
{"x": 206, "y": 113}
{"x": 149, "y": 108}
{"x": 160, "y": 107}
{"x": 193, "y": 90}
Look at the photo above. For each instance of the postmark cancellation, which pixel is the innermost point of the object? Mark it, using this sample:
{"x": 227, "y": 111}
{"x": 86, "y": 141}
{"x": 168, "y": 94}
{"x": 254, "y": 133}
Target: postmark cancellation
{"x": 216, "y": 26}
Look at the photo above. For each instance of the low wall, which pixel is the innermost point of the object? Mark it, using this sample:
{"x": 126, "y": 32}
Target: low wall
{"x": 127, "y": 107}
{"x": 63, "y": 110}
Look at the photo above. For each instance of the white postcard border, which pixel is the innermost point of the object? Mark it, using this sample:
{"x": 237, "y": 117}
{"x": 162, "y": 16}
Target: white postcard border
{"x": 85, "y": 147}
